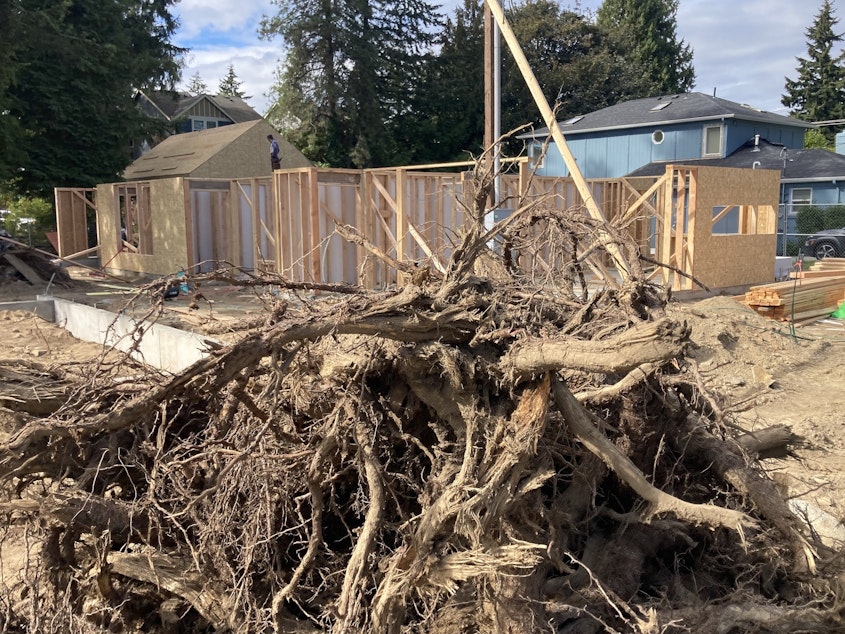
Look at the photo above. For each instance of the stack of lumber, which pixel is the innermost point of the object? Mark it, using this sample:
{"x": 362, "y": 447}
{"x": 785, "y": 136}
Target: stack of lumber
{"x": 797, "y": 300}
{"x": 828, "y": 267}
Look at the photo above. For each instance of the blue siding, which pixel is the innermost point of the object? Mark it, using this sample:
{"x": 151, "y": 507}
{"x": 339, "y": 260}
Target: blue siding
{"x": 823, "y": 193}
{"x": 739, "y": 132}
{"x": 614, "y": 153}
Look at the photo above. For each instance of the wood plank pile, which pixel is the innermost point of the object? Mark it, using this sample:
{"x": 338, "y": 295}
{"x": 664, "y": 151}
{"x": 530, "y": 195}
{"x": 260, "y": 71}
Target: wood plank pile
{"x": 828, "y": 267}
{"x": 797, "y": 300}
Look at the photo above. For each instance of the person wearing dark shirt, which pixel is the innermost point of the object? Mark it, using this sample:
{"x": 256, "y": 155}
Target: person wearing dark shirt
{"x": 274, "y": 153}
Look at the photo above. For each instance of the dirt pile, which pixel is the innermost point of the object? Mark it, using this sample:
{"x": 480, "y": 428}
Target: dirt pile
{"x": 473, "y": 451}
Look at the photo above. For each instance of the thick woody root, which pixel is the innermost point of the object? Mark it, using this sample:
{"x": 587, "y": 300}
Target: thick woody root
{"x": 465, "y": 452}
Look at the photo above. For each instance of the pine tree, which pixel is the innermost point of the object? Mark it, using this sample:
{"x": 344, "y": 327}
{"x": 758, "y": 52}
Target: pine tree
{"x": 197, "y": 86}
{"x": 449, "y": 109}
{"x": 647, "y": 29}
{"x": 230, "y": 85}
{"x": 350, "y": 75}
{"x": 577, "y": 64}
{"x": 819, "y": 92}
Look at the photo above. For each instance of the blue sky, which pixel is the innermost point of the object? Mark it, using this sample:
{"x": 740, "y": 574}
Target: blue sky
{"x": 742, "y": 48}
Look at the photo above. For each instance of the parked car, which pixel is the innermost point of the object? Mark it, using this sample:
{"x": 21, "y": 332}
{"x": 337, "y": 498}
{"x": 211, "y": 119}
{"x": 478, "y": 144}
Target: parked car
{"x": 829, "y": 243}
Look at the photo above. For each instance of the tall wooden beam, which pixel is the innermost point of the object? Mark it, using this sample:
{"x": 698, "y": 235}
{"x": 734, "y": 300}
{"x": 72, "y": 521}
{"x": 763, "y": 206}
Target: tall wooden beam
{"x": 551, "y": 122}
{"x": 488, "y": 77}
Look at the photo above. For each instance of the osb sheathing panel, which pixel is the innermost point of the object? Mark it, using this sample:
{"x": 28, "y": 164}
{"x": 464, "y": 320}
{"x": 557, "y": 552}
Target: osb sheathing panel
{"x": 169, "y": 243}
{"x": 721, "y": 261}
{"x": 247, "y": 156}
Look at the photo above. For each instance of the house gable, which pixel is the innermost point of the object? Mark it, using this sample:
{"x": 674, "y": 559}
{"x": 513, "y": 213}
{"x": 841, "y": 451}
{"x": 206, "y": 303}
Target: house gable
{"x": 190, "y": 113}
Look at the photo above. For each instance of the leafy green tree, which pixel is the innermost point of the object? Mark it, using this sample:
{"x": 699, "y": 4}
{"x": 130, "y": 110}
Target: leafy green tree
{"x": 11, "y": 132}
{"x": 230, "y": 85}
{"x": 68, "y": 93}
{"x": 310, "y": 82}
{"x": 815, "y": 139}
{"x": 197, "y": 86}
{"x": 818, "y": 94}
{"x": 647, "y": 29}
{"x": 29, "y": 218}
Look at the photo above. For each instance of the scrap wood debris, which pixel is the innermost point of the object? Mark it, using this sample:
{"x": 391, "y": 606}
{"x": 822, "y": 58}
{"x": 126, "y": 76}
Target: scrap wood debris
{"x": 30, "y": 266}
{"x": 485, "y": 449}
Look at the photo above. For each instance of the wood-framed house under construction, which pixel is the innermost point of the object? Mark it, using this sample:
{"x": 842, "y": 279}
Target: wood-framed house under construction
{"x": 286, "y": 222}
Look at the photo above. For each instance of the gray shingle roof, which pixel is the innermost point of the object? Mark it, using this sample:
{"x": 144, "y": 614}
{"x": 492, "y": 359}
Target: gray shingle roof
{"x": 173, "y": 104}
{"x": 796, "y": 165}
{"x": 668, "y": 109}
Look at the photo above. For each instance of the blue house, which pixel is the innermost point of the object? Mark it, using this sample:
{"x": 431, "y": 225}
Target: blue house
{"x": 615, "y": 141}
{"x": 640, "y": 137}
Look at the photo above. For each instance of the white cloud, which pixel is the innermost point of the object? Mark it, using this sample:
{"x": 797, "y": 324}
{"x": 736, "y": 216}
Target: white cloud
{"x": 223, "y": 32}
{"x": 238, "y": 18}
{"x": 742, "y": 48}
{"x": 254, "y": 66}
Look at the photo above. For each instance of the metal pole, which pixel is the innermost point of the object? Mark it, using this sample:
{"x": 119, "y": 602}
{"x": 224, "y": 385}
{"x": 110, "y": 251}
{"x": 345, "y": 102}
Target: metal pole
{"x": 497, "y": 113}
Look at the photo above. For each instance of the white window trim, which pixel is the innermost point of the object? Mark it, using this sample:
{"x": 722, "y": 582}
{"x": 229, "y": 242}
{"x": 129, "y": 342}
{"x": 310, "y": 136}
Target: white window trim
{"x": 205, "y": 121}
{"x": 704, "y": 152}
{"x": 792, "y": 200}
{"x": 654, "y": 136}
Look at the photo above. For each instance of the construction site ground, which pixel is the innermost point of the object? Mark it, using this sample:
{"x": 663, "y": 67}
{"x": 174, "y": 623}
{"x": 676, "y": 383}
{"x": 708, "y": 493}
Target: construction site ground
{"x": 764, "y": 372}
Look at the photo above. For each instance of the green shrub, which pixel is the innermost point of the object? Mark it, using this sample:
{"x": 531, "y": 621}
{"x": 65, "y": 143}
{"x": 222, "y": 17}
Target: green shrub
{"x": 793, "y": 247}
{"x": 835, "y": 217}
{"x": 810, "y": 219}
{"x": 813, "y": 218}
{"x": 29, "y": 219}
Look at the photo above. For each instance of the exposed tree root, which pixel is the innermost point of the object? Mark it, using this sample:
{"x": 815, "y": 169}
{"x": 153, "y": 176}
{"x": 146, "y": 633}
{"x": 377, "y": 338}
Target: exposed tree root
{"x": 489, "y": 448}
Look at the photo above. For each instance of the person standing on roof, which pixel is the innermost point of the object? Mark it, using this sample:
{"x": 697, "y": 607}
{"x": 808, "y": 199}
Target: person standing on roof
{"x": 275, "y": 163}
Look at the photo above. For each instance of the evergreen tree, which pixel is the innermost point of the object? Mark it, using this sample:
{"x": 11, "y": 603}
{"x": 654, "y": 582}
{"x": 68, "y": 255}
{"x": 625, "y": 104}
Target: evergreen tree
{"x": 449, "y": 121}
{"x": 349, "y": 81}
{"x": 308, "y": 105}
{"x": 11, "y": 132}
{"x": 647, "y": 29}
{"x": 197, "y": 86}
{"x": 70, "y": 84}
{"x": 577, "y": 64}
{"x": 819, "y": 92}
{"x": 230, "y": 85}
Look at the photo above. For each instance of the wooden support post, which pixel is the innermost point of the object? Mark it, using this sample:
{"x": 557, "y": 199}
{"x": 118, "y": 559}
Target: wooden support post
{"x": 314, "y": 214}
{"x": 551, "y": 122}
{"x": 680, "y": 206}
{"x": 665, "y": 253}
{"x": 401, "y": 225}
{"x": 689, "y": 242}
{"x": 190, "y": 235}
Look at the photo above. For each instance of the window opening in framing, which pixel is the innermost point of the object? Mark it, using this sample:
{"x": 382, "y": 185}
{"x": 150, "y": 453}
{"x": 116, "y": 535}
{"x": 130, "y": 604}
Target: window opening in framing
{"x": 134, "y": 219}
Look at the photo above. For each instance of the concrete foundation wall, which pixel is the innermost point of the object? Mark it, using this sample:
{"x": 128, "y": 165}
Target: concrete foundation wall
{"x": 168, "y": 349}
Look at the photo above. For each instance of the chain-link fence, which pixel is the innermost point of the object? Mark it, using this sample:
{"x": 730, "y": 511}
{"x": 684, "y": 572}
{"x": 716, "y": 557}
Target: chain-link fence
{"x": 796, "y": 222}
